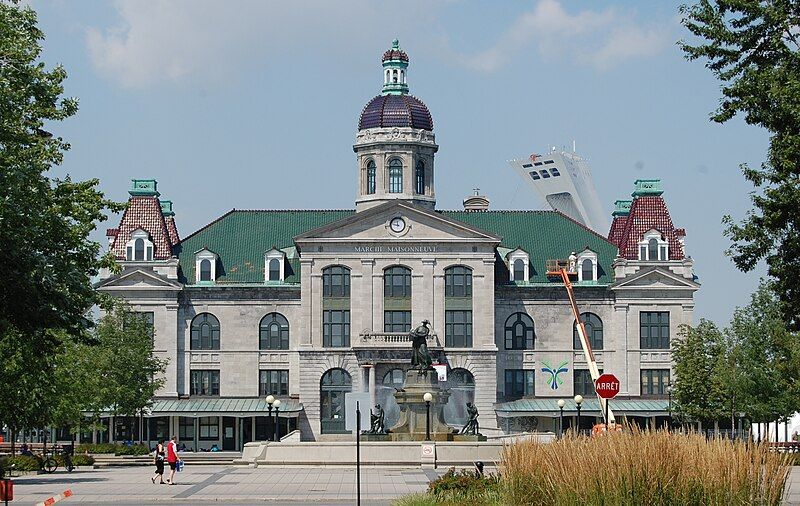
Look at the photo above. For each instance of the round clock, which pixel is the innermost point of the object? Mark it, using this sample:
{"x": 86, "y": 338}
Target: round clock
{"x": 397, "y": 225}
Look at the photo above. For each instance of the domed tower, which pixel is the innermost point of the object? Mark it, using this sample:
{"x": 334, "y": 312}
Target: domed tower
{"x": 395, "y": 144}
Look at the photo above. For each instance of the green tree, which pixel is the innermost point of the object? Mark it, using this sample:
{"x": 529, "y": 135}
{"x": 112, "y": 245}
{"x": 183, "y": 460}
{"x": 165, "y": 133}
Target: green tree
{"x": 128, "y": 372}
{"x": 753, "y": 48}
{"x": 48, "y": 261}
{"x": 698, "y": 390}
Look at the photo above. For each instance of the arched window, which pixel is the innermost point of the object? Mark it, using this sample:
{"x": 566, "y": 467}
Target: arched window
{"x": 336, "y": 306}
{"x": 458, "y": 281}
{"x": 519, "y": 270}
{"x": 370, "y": 177}
{"x": 139, "y": 250}
{"x": 394, "y": 76}
{"x": 273, "y": 332}
{"x": 395, "y": 176}
{"x": 419, "y": 178}
{"x": 461, "y": 383}
{"x": 394, "y": 378}
{"x": 519, "y": 332}
{"x": 335, "y": 383}
{"x": 274, "y": 270}
{"x": 652, "y": 249}
{"x": 587, "y": 268}
{"x": 205, "y": 270}
{"x": 594, "y": 331}
{"x": 205, "y": 332}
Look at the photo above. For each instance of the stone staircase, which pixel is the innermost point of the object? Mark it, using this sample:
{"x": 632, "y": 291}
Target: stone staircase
{"x": 191, "y": 459}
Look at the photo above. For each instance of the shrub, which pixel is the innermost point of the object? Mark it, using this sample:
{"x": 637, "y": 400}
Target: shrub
{"x": 96, "y": 448}
{"x": 463, "y": 485}
{"x": 20, "y": 463}
{"x": 636, "y": 467}
{"x": 132, "y": 450}
{"x": 82, "y": 460}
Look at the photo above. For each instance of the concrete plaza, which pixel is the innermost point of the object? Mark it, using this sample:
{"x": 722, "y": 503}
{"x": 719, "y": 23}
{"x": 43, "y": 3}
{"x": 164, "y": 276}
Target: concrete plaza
{"x": 226, "y": 484}
{"x": 243, "y": 485}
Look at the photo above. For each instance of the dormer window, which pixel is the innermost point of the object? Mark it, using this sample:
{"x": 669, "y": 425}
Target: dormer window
{"x": 274, "y": 260}
{"x": 653, "y": 247}
{"x": 206, "y": 266}
{"x": 587, "y": 265}
{"x": 518, "y": 266}
{"x": 140, "y": 247}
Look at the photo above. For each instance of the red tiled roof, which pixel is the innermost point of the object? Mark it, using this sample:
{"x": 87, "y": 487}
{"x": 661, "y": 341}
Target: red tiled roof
{"x": 172, "y": 229}
{"x": 144, "y": 212}
{"x": 648, "y": 212}
{"x": 112, "y": 232}
{"x": 617, "y": 228}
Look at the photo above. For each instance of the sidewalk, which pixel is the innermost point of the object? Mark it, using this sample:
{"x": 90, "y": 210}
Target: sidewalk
{"x": 226, "y": 484}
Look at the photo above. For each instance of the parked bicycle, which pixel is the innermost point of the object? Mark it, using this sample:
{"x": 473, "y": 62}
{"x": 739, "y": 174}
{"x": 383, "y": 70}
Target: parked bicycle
{"x": 50, "y": 463}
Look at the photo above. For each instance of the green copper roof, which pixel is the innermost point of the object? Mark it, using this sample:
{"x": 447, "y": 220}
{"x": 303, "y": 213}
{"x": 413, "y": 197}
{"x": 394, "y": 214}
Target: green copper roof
{"x": 622, "y": 208}
{"x": 589, "y": 407}
{"x": 205, "y": 406}
{"x": 644, "y": 187}
{"x": 240, "y": 238}
{"x": 144, "y": 188}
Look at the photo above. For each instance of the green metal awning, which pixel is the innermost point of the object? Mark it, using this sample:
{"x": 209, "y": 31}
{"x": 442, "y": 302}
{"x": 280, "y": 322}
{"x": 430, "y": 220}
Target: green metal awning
{"x": 222, "y": 406}
{"x": 589, "y": 407}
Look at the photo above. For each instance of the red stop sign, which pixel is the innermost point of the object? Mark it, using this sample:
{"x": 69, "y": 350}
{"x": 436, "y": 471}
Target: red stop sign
{"x": 607, "y": 386}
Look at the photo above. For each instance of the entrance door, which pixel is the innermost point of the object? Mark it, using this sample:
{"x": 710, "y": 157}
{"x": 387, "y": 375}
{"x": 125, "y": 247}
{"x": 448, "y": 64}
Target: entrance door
{"x": 334, "y": 384}
{"x": 245, "y": 431}
{"x": 228, "y": 433}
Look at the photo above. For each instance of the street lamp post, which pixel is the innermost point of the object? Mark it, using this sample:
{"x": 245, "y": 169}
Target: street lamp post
{"x": 561, "y": 404}
{"x": 427, "y": 398}
{"x": 740, "y": 416}
{"x": 277, "y": 405}
{"x": 669, "y": 406}
{"x": 270, "y": 399}
{"x": 578, "y": 400}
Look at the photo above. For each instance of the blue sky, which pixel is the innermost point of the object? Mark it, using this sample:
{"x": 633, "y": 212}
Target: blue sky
{"x": 254, "y": 105}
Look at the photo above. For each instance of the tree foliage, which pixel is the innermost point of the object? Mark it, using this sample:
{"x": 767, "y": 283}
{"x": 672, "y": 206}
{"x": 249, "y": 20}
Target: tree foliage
{"x": 751, "y": 367}
{"x": 48, "y": 260}
{"x": 753, "y": 47}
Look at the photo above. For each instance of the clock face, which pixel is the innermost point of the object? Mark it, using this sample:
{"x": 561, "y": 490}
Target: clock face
{"x": 397, "y": 225}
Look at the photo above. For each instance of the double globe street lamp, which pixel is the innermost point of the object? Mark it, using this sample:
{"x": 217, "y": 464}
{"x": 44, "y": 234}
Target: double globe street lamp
{"x": 272, "y": 402}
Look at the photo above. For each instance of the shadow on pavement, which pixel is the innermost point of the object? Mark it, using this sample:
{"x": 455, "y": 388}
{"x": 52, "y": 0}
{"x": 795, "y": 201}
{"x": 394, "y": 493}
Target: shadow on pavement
{"x": 21, "y": 482}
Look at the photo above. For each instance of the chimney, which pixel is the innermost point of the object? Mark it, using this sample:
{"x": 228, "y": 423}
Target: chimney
{"x": 476, "y": 202}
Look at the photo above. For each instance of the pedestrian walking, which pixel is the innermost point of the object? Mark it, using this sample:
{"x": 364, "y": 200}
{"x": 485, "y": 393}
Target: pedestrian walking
{"x": 158, "y": 460}
{"x": 172, "y": 458}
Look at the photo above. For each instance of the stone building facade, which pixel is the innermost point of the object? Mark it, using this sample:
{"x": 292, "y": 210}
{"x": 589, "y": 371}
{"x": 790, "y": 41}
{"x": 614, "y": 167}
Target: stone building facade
{"x": 314, "y": 306}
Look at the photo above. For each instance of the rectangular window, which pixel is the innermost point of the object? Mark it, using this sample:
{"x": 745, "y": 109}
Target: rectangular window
{"x": 654, "y": 330}
{"x": 519, "y": 383}
{"x": 148, "y": 319}
{"x": 458, "y": 329}
{"x": 273, "y": 382}
{"x": 397, "y": 321}
{"x": 335, "y": 329}
{"x": 204, "y": 383}
{"x": 582, "y": 382}
{"x": 209, "y": 427}
{"x": 654, "y": 381}
{"x": 336, "y": 282}
{"x": 185, "y": 429}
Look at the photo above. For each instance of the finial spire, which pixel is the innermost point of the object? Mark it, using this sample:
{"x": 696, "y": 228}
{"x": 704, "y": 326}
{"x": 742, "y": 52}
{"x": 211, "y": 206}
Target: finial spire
{"x": 395, "y": 65}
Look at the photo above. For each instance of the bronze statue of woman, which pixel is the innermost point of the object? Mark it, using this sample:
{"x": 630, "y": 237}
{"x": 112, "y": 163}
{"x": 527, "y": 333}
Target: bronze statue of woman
{"x": 420, "y": 357}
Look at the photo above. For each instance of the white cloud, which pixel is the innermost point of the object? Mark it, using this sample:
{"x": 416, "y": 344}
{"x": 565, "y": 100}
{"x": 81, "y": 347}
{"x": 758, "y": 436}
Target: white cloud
{"x": 178, "y": 40}
{"x": 599, "y": 38}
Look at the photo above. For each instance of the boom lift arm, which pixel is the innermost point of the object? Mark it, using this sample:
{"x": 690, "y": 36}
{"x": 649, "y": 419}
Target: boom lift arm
{"x": 587, "y": 347}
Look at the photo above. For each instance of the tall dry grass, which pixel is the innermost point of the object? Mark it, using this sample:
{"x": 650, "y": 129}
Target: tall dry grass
{"x": 642, "y": 467}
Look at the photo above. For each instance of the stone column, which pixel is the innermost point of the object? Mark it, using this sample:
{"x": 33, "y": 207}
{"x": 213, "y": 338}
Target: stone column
{"x": 437, "y": 298}
{"x": 173, "y": 341}
{"x": 304, "y": 325}
{"x": 372, "y": 398}
{"x": 367, "y": 302}
{"x": 377, "y": 300}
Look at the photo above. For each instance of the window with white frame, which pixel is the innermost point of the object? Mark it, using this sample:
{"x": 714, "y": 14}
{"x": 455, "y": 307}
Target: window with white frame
{"x": 653, "y": 247}
{"x": 587, "y": 265}
{"x": 274, "y": 265}
{"x": 518, "y": 265}
{"x": 140, "y": 247}
{"x": 205, "y": 266}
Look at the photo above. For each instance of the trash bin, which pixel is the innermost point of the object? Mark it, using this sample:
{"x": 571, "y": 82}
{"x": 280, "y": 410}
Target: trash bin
{"x": 6, "y": 490}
